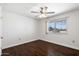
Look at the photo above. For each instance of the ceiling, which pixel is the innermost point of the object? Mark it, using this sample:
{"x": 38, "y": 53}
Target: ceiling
{"x": 26, "y": 8}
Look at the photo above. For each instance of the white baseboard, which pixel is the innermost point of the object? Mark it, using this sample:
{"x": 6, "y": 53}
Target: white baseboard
{"x": 62, "y": 44}
{"x": 66, "y": 45}
{"x": 17, "y": 44}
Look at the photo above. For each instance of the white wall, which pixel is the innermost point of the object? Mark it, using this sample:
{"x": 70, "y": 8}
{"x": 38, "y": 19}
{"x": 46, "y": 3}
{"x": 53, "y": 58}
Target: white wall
{"x": 64, "y": 39}
{"x": 17, "y": 29}
{"x": 0, "y": 28}
{"x": 0, "y": 35}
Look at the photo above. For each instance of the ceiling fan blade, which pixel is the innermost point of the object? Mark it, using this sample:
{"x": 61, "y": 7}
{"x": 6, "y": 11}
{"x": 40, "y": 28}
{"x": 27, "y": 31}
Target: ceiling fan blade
{"x": 34, "y": 12}
{"x": 50, "y": 12}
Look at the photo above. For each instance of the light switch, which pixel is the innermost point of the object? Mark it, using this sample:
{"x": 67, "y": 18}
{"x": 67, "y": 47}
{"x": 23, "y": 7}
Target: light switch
{"x": 1, "y": 37}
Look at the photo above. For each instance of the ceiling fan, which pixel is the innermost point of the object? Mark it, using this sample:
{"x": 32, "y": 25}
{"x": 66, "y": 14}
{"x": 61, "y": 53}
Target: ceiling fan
{"x": 43, "y": 12}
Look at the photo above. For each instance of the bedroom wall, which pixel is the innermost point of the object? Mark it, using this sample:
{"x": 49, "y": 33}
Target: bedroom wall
{"x": 17, "y": 29}
{"x": 0, "y": 28}
{"x": 72, "y": 30}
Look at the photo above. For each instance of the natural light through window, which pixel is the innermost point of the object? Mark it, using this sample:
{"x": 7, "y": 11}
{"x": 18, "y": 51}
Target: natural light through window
{"x": 57, "y": 26}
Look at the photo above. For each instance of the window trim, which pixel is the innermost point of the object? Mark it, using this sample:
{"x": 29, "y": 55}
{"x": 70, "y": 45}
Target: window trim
{"x": 56, "y": 20}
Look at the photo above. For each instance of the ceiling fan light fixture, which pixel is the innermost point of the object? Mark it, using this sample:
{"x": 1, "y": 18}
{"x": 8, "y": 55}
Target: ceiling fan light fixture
{"x": 42, "y": 15}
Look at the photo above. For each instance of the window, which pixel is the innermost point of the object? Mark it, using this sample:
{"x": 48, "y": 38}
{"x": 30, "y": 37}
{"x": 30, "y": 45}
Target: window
{"x": 57, "y": 26}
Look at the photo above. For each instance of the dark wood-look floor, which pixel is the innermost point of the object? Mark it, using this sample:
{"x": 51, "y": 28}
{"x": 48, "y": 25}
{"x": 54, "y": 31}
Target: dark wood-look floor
{"x": 39, "y": 48}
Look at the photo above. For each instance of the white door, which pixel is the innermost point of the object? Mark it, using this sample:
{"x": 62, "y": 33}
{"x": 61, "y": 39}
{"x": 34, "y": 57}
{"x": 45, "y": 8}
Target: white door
{"x": 0, "y": 29}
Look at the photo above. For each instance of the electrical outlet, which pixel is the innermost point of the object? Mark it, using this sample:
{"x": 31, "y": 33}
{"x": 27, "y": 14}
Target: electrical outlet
{"x": 19, "y": 38}
{"x": 1, "y": 37}
{"x": 46, "y": 33}
{"x": 73, "y": 41}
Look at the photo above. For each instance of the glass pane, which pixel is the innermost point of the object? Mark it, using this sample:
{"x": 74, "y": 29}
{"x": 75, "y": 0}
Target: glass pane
{"x": 64, "y": 24}
{"x": 51, "y": 26}
{"x": 61, "y": 25}
{"x": 58, "y": 25}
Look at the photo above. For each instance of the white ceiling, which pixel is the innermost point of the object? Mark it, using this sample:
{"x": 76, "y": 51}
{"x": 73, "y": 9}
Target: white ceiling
{"x": 26, "y": 8}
